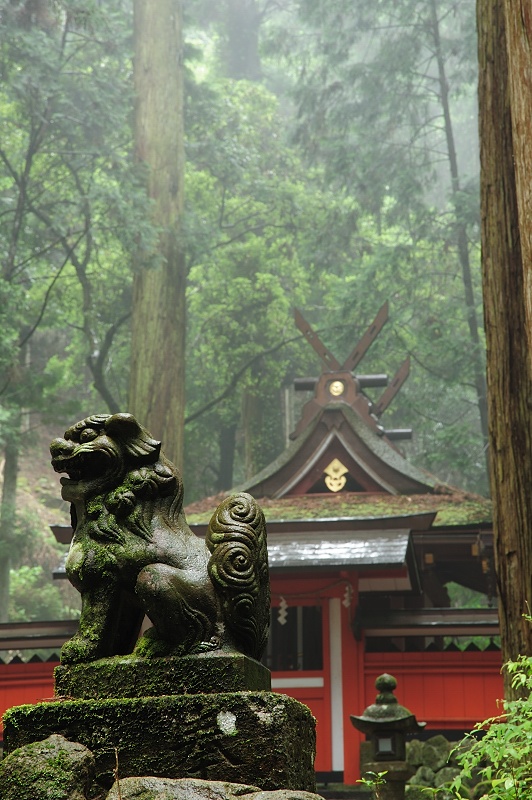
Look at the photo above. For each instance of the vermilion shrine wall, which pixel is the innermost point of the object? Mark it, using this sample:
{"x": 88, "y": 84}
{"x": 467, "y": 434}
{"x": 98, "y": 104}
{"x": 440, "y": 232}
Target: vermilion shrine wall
{"x": 447, "y": 690}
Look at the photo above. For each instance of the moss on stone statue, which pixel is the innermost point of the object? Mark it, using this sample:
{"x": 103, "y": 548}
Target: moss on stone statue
{"x": 134, "y": 677}
{"x": 261, "y": 738}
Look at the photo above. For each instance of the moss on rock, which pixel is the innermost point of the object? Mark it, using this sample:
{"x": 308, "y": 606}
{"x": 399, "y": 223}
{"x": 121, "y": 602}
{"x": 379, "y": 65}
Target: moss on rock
{"x": 260, "y": 738}
{"x": 150, "y": 788}
{"x": 53, "y": 769}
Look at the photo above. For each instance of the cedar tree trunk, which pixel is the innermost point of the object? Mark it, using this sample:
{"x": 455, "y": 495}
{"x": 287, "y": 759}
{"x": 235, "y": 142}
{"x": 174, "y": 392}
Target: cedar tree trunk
{"x": 506, "y": 275}
{"x": 8, "y": 510}
{"x": 157, "y": 381}
{"x": 462, "y": 243}
{"x": 242, "y": 21}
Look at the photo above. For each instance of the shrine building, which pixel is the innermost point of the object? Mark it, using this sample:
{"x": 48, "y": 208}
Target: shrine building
{"x": 361, "y": 545}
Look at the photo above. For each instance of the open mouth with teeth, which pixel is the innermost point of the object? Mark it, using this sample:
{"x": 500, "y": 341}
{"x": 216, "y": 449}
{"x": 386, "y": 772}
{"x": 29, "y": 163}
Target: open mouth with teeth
{"x": 81, "y": 466}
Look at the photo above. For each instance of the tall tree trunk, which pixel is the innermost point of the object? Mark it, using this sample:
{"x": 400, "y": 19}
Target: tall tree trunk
{"x": 461, "y": 236}
{"x": 8, "y": 510}
{"x": 242, "y": 20}
{"x": 506, "y": 275}
{"x": 251, "y": 423}
{"x": 157, "y": 381}
{"x": 227, "y": 444}
{"x": 518, "y": 19}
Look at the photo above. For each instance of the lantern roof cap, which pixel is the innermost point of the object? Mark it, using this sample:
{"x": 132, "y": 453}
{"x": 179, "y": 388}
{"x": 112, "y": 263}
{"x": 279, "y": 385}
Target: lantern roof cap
{"x": 386, "y": 712}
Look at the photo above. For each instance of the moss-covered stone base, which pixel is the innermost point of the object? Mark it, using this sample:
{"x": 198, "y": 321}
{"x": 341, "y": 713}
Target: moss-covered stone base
{"x": 259, "y": 738}
{"x": 141, "y": 677}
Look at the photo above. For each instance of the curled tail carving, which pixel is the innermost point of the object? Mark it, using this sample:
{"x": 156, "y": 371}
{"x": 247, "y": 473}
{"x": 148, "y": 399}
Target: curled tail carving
{"x": 238, "y": 569}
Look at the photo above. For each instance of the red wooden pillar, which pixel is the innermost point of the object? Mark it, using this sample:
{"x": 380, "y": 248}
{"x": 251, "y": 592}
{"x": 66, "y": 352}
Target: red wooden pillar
{"x": 352, "y": 685}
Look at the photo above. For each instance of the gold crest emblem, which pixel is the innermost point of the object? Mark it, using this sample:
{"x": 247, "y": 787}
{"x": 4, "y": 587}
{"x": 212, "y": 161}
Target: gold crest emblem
{"x": 335, "y": 475}
{"x": 336, "y": 388}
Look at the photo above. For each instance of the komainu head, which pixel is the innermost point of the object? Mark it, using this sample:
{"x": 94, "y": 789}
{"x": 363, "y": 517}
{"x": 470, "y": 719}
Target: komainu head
{"x": 111, "y": 459}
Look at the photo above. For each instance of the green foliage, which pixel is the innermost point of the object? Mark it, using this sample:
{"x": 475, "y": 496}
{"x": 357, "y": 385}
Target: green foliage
{"x": 265, "y": 233}
{"x": 374, "y": 781}
{"x": 256, "y": 224}
{"x": 366, "y": 68}
{"x": 385, "y": 92}
{"x": 500, "y": 761}
{"x": 368, "y": 221}
{"x": 464, "y": 597}
{"x": 34, "y": 597}
{"x": 34, "y": 554}
{"x": 74, "y": 206}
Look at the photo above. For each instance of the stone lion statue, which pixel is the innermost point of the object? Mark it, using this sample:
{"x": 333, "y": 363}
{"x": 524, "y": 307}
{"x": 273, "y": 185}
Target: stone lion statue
{"x": 133, "y": 554}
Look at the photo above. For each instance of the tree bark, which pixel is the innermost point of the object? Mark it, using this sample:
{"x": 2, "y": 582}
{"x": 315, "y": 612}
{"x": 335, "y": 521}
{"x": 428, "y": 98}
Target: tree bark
{"x": 518, "y": 19}
{"x": 157, "y": 380}
{"x": 242, "y": 20}
{"x": 461, "y": 236}
{"x": 506, "y": 274}
{"x": 227, "y": 444}
{"x": 8, "y": 510}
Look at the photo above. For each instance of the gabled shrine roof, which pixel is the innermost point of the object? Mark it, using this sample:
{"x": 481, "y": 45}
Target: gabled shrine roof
{"x": 338, "y": 431}
{"x": 342, "y": 465}
{"x": 339, "y": 444}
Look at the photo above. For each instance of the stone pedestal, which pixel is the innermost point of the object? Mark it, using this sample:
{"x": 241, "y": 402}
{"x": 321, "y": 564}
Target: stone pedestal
{"x": 155, "y": 727}
{"x": 206, "y": 673}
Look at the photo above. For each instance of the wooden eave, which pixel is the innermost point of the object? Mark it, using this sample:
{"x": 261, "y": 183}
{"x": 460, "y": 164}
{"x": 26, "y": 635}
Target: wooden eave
{"x": 428, "y": 622}
{"x": 463, "y": 555}
{"x": 36, "y": 635}
{"x": 410, "y": 522}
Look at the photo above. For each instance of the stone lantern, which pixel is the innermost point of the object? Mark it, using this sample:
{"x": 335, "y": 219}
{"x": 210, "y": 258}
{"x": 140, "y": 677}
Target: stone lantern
{"x": 386, "y": 724}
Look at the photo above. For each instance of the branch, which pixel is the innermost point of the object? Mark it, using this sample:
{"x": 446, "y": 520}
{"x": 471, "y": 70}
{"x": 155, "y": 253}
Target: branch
{"x": 47, "y": 297}
{"x": 21, "y": 265}
{"x": 80, "y": 266}
{"x": 96, "y": 365}
{"x": 257, "y": 229}
{"x": 231, "y": 386}
{"x": 238, "y": 374}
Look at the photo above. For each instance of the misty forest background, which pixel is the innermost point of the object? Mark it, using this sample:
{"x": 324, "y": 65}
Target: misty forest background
{"x": 331, "y": 164}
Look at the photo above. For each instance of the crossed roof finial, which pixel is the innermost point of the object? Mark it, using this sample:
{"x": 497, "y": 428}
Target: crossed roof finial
{"x": 337, "y": 382}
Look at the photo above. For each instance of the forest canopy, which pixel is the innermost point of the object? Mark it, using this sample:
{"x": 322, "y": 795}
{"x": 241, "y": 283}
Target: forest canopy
{"x": 331, "y": 164}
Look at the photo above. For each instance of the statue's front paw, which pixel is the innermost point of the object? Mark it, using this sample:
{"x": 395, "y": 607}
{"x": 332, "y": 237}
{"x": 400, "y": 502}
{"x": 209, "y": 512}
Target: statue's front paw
{"x": 207, "y": 647}
{"x": 78, "y": 650}
{"x": 151, "y": 645}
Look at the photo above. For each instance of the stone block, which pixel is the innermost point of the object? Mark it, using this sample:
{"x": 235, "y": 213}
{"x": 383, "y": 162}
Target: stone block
{"x": 413, "y": 792}
{"x": 424, "y": 777}
{"x": 53, "y": 769}
{"x": 414, "y": 754}
{"x": 262, "y": 739}
{"x": 366, "y": 754}
{"x": 141, "y": 677}
{"x": 445, "y": 775}
{"x": 149, "y": 788}
{"x": 435, "y": 752}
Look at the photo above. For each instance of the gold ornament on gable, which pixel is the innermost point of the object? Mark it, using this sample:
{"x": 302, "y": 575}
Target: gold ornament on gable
{"x": 335, "y": 475}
